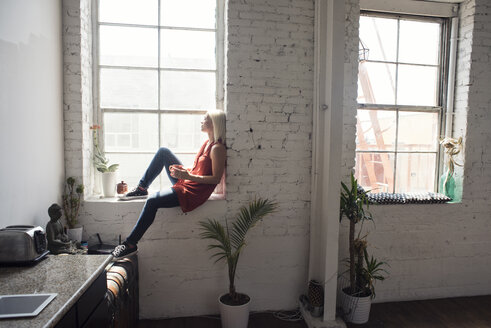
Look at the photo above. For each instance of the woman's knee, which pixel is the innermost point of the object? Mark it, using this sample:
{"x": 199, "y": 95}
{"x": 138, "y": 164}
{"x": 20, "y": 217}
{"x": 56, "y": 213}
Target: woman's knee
{"x": 164, "y": 151}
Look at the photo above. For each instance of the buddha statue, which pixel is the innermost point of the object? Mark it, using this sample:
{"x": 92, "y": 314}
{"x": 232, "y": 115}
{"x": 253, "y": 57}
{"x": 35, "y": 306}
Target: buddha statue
{"x": 58, "y": 241}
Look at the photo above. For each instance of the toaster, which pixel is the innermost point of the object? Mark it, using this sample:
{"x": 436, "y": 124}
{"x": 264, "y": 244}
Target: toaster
{"x": 22, "y": 244}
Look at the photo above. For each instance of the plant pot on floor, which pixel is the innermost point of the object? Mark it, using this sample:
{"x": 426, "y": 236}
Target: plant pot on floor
{"x": 109, "y": 184}
{"x": 355, "y": 309}
{"x": 234, "y": 316}
{"x": 75, "y": 233}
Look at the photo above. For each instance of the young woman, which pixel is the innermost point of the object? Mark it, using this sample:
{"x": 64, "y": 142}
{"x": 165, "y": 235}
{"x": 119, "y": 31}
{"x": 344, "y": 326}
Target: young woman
{"x": 192, "y": 187}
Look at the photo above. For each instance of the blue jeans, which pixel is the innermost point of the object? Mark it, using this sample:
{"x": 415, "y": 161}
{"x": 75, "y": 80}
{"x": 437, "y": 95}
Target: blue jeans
{"x": 162, "y": 199}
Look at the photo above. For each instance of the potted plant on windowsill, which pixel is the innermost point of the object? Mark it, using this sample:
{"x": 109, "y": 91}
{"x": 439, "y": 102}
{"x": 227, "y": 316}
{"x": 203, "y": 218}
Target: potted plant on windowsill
{"x": 364, "y": 270}
{"x": 228, "y": 244}
{"x": 71, "y": 205}
{"x": 101, "y": 163}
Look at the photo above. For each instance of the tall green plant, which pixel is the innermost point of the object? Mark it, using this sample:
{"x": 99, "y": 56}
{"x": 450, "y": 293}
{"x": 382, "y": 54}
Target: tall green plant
{"x": 71, "y": 201}
{"x": 354, "y": 206}
{"x": 228, "y": 243}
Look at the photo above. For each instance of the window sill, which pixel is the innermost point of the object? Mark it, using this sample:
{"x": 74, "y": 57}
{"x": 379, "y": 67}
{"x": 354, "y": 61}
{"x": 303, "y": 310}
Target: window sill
{"x": 102, "y": 199}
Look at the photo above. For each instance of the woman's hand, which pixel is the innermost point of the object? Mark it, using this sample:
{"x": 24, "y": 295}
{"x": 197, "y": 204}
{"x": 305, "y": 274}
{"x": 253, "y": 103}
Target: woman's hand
{"x": 178, "y": 172}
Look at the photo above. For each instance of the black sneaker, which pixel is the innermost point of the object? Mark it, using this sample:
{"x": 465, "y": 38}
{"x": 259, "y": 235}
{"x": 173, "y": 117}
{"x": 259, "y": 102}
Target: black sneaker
{"x": 123, "y": 250}
{"x": 136, "y": 193}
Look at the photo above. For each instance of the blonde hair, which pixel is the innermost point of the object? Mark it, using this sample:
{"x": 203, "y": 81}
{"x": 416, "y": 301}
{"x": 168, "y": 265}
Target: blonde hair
{"x": 218, "y": 118}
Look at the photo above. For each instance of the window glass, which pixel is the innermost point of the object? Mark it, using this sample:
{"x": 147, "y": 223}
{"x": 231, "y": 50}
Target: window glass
{"x": 417, "y": 85}
{"x": 379, "y": 35}
{"x": 376, "y": 82}
{"x": 375, "y": 171}
{"x": 415, "y": 172}
{"x": 128, "y": 88}
{"x": 157, "y": 76}
{"x": 128, "y": 46}
{"x": 188, "y": 90}
{"x": 188, "y": 49}
{"x": 418, "y": 131}
{"x": 419, "y": 42}
{"x": 131, "y": 132}
{"x": 376, "y": 130}
{"x": 182, "y": 132}
{"x": 188, "y": 13}
{"x": 399, "y": 92}
{"x": 143, "y": 12}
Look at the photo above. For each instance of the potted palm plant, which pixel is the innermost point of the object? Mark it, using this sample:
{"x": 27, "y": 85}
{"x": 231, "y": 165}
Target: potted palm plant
{"x": 102, "y": 165}
{"x": 363, "y": 270}
{"x": 228, "y": 244}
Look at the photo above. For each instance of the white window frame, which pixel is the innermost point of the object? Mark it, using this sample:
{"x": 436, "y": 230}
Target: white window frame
{"x": 443, "y": 90}
{"x": 220, "y": 71}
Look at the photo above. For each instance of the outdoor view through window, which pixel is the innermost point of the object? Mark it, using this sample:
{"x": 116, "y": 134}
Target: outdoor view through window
{"x": 399, "y": 99}
{"x": 157, "y": 70}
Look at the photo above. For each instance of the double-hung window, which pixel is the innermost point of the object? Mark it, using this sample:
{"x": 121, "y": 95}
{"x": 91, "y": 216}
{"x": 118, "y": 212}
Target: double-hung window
{"x": 159, "y": 68}
{"x": 401, "y": 99}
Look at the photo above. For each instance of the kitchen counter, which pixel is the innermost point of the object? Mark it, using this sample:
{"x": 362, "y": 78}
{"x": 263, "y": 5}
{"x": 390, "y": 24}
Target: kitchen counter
{"x": 68, "y": 275}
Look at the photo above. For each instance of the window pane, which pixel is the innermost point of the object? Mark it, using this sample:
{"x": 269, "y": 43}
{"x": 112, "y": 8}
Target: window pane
{"x": 419, "y": 42}
{"x": 376, "y": 83}
{"x": 375, "y": 171}
{"x": 123, "y": 88}
{"x": 128, "y": 46}
{"x": 376, "y": 130}
{"x": 188, "y": 90}
{"x": 417, "y": 85}
{"x": 143, "y": 12}
{"x": 182, "y": 132}
{"x": 131, "y": 132}
{"x": 379, "y": 35}
{"x": 418, "y": 131}
{"x": 188, "y": 13}
{"x": 415, "y": 172}
{"x": 188, "y": 49}
{"x": 131, "y": 167}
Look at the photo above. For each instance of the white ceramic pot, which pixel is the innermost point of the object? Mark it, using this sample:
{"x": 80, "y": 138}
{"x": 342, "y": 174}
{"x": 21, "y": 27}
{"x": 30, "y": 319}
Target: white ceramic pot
{"x": 356, "y": 309}
{"x": 75, "y": 233}
{"x": 109, "y": 184}
{"x": 97, "y": 183}
{"x": 234, "y": 316}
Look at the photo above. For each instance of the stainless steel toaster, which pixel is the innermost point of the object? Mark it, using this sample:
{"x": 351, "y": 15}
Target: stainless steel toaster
{"x": 22, "y": 244}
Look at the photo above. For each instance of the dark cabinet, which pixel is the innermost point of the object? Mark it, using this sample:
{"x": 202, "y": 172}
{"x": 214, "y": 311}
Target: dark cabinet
{"x": 111, "y": 301}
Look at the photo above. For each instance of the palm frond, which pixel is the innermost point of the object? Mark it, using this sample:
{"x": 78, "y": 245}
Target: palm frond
{"x": 247, "y": 218}
{"x": 212, "y": 229}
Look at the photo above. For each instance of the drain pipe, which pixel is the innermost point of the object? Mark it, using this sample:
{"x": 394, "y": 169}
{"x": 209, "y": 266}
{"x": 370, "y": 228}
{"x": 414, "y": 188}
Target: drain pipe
{"x": 451, "y": 78}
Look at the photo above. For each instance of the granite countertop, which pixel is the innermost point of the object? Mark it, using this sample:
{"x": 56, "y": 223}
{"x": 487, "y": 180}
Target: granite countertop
{"x": 67, "y": 275}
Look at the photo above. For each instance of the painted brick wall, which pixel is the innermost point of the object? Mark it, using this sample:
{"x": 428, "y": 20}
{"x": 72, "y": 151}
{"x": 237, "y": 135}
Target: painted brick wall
{"x": 434, "y": 251}
{"x": 444, "y": 250}
{"x": 269, "y": 106}
{"x": 77, "y": 93}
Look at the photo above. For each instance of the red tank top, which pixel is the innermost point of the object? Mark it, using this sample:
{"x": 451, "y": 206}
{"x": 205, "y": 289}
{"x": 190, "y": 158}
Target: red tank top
{"x": 192, "y": 194}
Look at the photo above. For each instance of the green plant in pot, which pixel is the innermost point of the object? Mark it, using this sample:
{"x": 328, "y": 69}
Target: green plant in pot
{"x": 101, "y": 163}
{"x": 71, "y": 205}
{"x": 228, "y": 243}
{"x": 363, "y": 270}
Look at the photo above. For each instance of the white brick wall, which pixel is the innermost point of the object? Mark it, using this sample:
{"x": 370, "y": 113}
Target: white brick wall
{"x": 434, "y": 251}
{"x": 269, "y": 106}
{"x": 77, "y": 93}
{"x": 444, "y": 250}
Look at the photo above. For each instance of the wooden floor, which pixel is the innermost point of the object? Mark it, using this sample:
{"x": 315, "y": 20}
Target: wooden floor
{"x": 256, "y": 320}
{"x": 461, "y": 312}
